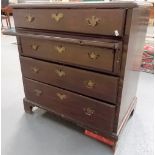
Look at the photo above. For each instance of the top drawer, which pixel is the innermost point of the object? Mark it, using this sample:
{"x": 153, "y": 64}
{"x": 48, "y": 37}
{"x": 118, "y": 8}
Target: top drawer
{"x": 91, "y": 21}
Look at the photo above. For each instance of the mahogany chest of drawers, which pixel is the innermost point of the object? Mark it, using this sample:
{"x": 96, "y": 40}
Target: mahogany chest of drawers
{"x": 81, "y": 61}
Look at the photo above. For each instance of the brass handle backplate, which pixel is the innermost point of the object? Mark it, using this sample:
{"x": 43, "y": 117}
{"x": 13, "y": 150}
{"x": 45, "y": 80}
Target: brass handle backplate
{"x": 60, "y": 72}
{"x": 61, "y": 96}
{"x": 29, "y": 18}
{"x": 90, "y": 84}
{"x": 93, "y": 21}
{"x": 89, "y": 111}
{"x": 93, "y": 55}
{"x": 34, "y": 47}
{"x": 60, "y": 49}
{"x": 35, "y": 69}
{"x": 57, "y": 16}
{"x": 37, "y": 92}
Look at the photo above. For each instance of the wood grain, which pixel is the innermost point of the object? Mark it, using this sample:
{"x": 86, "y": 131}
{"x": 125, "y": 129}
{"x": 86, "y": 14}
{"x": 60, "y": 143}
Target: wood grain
{"x": 101, "y": 59}
{"x": 73, "y": 20}
{"x": 105, "y": 87}
{"x": 73, "y": 106}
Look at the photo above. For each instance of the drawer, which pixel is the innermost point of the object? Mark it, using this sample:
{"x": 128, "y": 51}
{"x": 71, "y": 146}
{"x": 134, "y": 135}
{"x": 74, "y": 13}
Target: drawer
{"x": 80, "y": 109}
{"x": 91, "y": 57}
{"x": 92, "y": 84}
{"x": 91, "y": 21}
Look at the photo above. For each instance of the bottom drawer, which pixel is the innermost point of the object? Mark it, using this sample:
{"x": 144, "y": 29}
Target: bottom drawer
{"x": 82, "y": 110}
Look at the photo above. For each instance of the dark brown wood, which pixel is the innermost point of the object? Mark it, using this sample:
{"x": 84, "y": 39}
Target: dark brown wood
{"x": 92, "y": 84}
{"x": 81, "y": 61}
{"x": 95, "y": 114}
{"x": 135, "y": 32}
{"x": 28, "y": 106}
{"x": 67, "y": 37}
{"x": 101, "y": 59}
{"x": 85, "y": 5}
{"x": 128, "y": 114}
{"x": 94, "y": 21}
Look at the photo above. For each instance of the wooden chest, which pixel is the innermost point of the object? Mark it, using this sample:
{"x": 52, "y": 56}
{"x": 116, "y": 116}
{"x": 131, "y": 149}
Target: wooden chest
{"x": 81, "y": 61}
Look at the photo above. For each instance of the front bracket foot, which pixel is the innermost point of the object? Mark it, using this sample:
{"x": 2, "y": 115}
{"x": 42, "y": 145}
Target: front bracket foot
{"x": 28, "y": 106}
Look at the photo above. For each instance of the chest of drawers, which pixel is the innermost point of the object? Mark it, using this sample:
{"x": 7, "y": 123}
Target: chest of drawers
{"x": 81, "y": 61}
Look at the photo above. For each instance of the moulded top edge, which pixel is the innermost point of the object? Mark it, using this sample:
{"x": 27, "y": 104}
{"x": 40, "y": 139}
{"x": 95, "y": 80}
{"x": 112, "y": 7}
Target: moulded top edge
{"x": 80, "y": 5}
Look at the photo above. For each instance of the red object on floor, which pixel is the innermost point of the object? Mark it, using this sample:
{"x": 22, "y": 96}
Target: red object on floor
{"x": 100, "y": 138}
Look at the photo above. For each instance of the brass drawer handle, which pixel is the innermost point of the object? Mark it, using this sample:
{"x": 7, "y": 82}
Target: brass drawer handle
{"x": 34, "y": 47}
{"x": 60, "y": 72}
{"x": 93, "y": 56}
{"x": 90, "y": 84}
{"x": 88, "y": 111}
{"x": 30, "y": 18}
{"x": 35, "y": 69}
{"x": 37, "y": 92}
{"x": 60, "y": 49}
{"x": 93, "y": 21}
{"x": 61, "y": 96}
{"x": 57, "y": 16}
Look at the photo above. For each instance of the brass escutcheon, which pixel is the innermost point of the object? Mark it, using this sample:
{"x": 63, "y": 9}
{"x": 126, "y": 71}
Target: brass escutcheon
{"x": 89, "y": 111}
{"x": 93, "y": 21}
{"x": 61, "y": 96}
{"x": 93, "y": 56}
{"x": 35, "y": 69}
{"x": 34, "y": 47}
{"x": 37, "y": 92}
{"x": 60, "y": 49}
{"x": 60, "y": 72}
{"x": 29, "y": 18}
{"x": 90, "y": 84}
{"x": 57, "y": 16}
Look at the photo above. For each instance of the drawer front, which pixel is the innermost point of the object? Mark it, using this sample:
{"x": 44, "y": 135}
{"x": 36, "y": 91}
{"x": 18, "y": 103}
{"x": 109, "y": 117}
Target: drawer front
{"x": 85, "y": 82}
{"x": 101, "y": 59}
{"x": 93, "y": 21}
{"x": 83, "y": 110}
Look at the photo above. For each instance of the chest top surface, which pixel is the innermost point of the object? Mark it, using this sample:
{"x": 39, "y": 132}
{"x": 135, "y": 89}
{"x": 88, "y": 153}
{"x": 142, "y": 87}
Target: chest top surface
{"x": 88, "y": 5}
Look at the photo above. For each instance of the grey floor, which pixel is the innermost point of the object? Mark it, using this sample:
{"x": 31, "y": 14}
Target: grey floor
{"x": 44, "y": 134}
